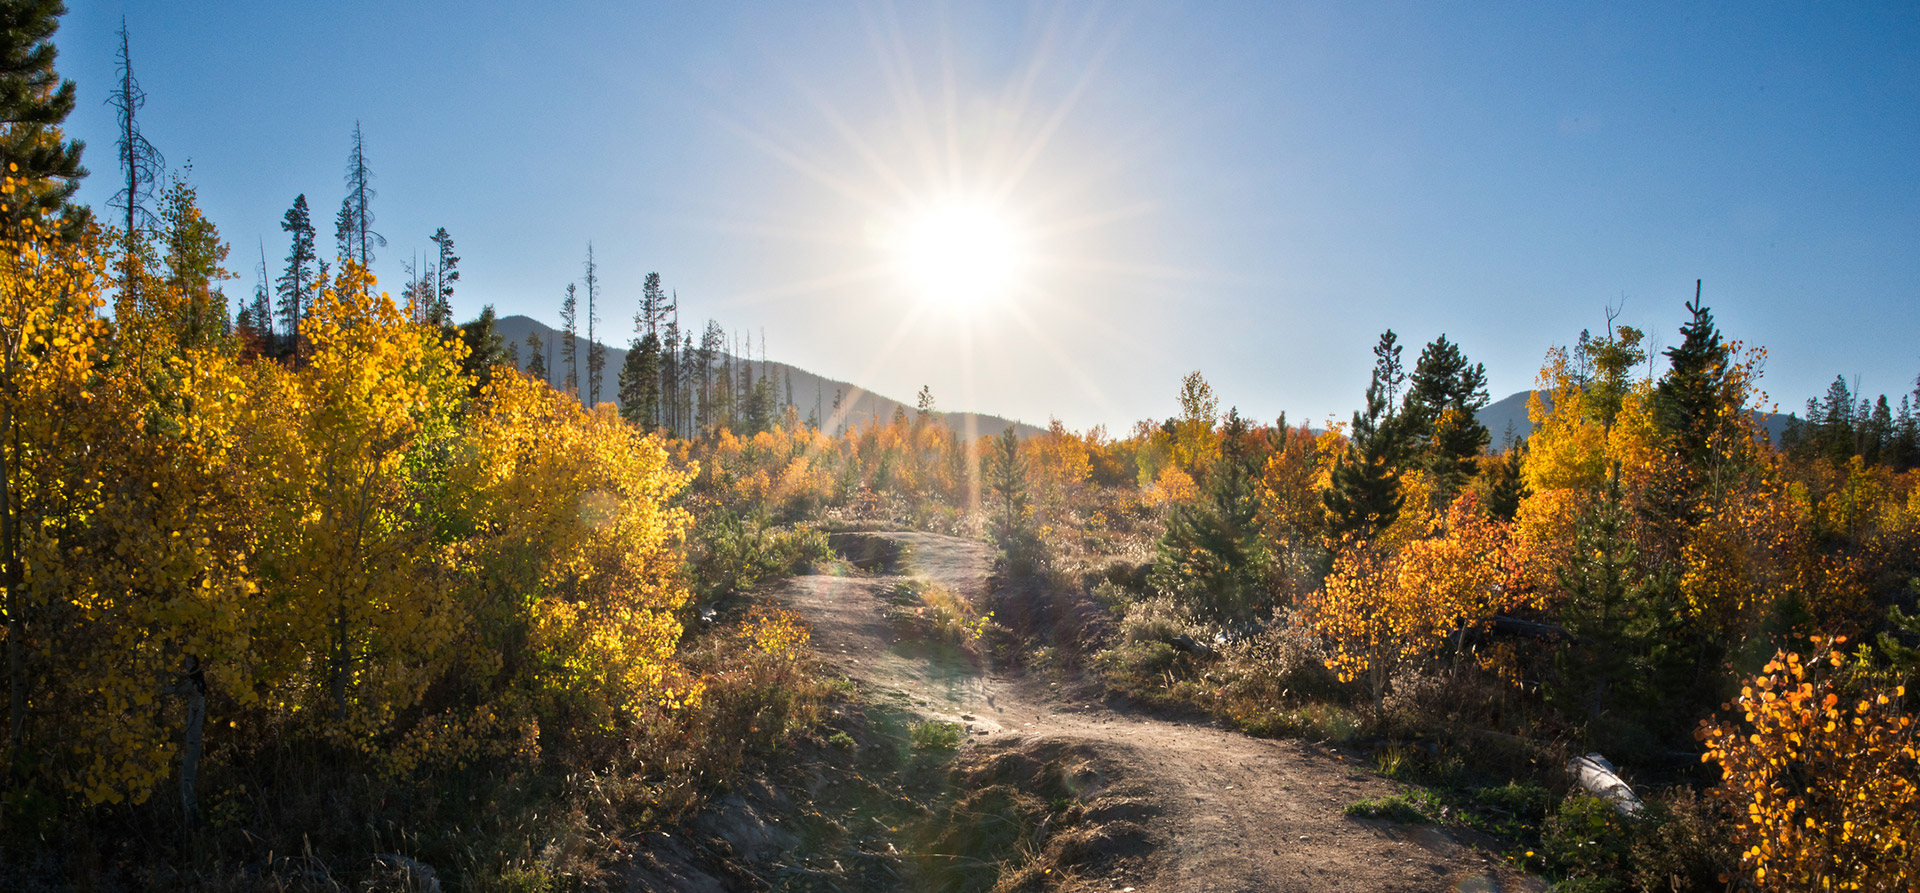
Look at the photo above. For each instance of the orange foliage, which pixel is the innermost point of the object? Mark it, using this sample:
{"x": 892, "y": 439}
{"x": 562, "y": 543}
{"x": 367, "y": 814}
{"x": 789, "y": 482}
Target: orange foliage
{"x": 1379, "y": 609}
{"x": 1824, "y": 782}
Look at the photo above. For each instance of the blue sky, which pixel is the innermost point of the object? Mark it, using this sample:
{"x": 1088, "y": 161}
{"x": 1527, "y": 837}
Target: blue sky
{"x": 1251, "y": 190}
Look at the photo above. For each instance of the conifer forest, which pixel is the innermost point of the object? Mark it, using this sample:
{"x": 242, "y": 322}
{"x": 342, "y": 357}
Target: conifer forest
{"x": 318, "y": 582}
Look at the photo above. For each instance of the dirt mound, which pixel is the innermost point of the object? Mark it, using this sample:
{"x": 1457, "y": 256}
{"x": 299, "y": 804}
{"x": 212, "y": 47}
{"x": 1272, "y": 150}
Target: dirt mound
{"x": 1056, "y": 811}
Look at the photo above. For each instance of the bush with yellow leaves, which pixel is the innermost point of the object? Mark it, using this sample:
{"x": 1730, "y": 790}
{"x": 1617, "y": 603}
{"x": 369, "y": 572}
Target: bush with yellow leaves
{"x": 1823, "y": 778}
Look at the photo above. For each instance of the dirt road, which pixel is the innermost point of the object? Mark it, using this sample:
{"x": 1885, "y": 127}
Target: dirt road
{"x": 1233, "y": 813}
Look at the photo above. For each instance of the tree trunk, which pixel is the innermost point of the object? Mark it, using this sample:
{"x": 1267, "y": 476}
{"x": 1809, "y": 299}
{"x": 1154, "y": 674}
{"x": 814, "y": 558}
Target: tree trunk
{"x": 16, "y": 628}
{"x": 195, "y": 688}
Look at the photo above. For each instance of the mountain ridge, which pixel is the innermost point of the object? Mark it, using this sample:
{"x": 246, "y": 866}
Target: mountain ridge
{"x": 806, "y": 391}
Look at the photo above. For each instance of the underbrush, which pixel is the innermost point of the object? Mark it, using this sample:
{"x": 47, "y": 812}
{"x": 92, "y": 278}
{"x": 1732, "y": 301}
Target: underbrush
{"x": 930, "y": 613}
{"x": 1476, "y": 752}
{"x": 561, "y": 812}
{"x": 731, "y": 552}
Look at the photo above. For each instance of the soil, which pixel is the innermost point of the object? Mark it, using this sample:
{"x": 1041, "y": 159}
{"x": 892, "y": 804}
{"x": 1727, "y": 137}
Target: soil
{"x": 1186, "y": 805}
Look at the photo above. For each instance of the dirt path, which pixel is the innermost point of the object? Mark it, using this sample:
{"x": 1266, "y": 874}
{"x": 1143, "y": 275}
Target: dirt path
{"x": 1234, "y": 813}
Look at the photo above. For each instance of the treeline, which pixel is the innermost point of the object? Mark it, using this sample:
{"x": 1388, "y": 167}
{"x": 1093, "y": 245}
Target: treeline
{"x": 1836, "y": 428}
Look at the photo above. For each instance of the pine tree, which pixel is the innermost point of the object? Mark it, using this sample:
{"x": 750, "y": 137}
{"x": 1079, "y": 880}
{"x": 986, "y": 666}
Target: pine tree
{"x": 640, "y": 382}
{"x": 1829, "y": 426}
{"x": 194, "y": 258}
{"x": 596, "y": 352}
{"x": 711, "y": 341}
{"x": 256, "y": 319}
{"x": 140, "y": 164}
{"x": 1506, "y": 487}
{"x": 569, "y": 343}
{"x": 355, "y": 223}
{"x": 1877, "y": 433}
{"x": 1904, "y": 450}
{"x": 485, "y": 349}
{"x": 670, "y": 375}
{"x": 1007, "y": 482}
{"x": 1363, "y": 497}
{"x": 1212, "y": 555}
{"x": 1440, "y": 417}
{"x": 34, "y": 102}
{"x": 537, "y": 366}
{"x": 1689, "y": 395}
{"x": 640, "y": 376}
{"x": 1613, "y": 610}
{"x": 446, "y": 271}
{"x": 343, "y": 240}
{"x": 1903, "y": 628}
{"x": 299, "y": 277}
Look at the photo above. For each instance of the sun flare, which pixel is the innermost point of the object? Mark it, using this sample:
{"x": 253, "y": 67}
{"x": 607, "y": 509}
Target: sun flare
{"x": 960, "y": 254}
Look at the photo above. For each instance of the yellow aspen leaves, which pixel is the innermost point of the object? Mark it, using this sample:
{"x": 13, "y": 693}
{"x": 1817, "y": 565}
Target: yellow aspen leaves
{"x": 1824, "y": 781}
{"x": 1379, "y": 609}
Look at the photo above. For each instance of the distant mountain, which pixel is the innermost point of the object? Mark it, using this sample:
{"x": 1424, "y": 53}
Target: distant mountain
{"x": 1509, "y": 414}
{"x": 810, "y": 393}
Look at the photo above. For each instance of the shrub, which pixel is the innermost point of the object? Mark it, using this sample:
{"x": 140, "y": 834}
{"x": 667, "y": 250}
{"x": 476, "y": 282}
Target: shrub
{"x": 1587, "y": 838}
{"x": 935, "y": 735}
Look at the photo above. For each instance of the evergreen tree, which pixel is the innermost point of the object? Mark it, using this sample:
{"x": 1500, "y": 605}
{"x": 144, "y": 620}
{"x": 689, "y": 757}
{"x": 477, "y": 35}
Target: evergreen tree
{"x": 711, "y": 341}
{"x": 1828, "y": 430}
{"x": 640, "y": 376}
{"x": 640, "y": 382}
{"x": 255, "y": 320}
{"x": 596, "y": 352}
{"x": 1212, "y": 555}
{"x": 354, "y": 226}
{"x": 1687, "y": 401}
{"x": 1902, "y": 629}
{"x": 1506, "y": 488}
{"x": 1877, "y": 433}
{"x": 1364, "y": 494}
{"x": 343, "y": 239}
{"x": 1612, "y": 609}
{"x": 299, "y": 277}
{"x": 446, "y": 271}
{"x": 34, "y": 102}
{"x": 537, "y": 366}
{"x": 140, "y": 164}
{"x": 194, "y": 258}
{"x": 1445, "y": 394}
{"x": 1904, "y": 449}
{"x": 1007, "y": 482}
{"x": 486, "y": 349}
{"x": 670, "y": 373}
{"x": 569, "y": 343}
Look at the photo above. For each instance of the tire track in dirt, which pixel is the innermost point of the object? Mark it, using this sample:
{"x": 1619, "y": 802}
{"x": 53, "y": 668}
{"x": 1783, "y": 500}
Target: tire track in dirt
{"x": 1234, "y": 813}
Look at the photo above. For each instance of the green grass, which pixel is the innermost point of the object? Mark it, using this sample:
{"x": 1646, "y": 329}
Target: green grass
{"x": 1409, "y": 808}
{"x": 935, "y": 735}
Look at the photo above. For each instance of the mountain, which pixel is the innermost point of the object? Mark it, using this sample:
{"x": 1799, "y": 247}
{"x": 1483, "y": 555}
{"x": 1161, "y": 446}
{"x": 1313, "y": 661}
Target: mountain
{"x": 810, "y": 393}
{"x": 1509, "y": 414}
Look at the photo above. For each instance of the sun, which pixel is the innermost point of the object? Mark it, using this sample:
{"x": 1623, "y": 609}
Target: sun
{"x": 960, "y": 254}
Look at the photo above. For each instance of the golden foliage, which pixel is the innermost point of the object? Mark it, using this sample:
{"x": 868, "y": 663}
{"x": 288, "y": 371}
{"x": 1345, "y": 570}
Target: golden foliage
{"x": 1568, "y": 448}
{"x": 1824, "y": 781}
{"x": 1379, "y": 609}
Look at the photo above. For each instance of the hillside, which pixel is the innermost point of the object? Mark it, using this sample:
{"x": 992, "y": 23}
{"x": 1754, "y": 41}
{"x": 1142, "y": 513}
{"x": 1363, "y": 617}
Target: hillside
{"x": 810, "y": 393}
